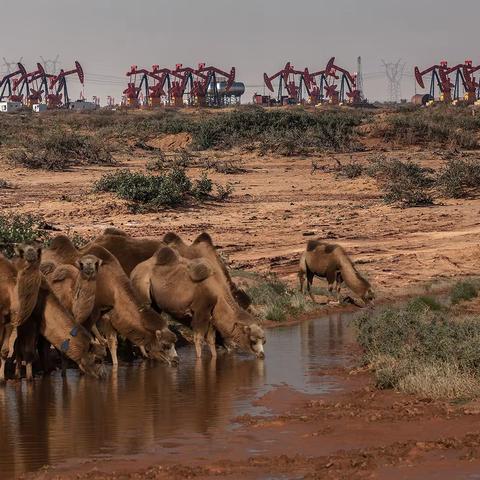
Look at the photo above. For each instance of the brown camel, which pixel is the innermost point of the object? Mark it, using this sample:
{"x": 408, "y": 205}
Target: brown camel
{"x": 191, "y": 292}
{"x": 332, "y": 262}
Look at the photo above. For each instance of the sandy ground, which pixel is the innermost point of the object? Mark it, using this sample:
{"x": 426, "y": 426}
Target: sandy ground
{"x": 278, "y": 204}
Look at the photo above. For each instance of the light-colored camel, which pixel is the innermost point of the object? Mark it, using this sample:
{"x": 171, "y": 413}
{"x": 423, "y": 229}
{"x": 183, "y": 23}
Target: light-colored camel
{"x": 191, "y": 292}
{"x": 52, "y": 320}
{"x": 114, "y": 293}
{"x": 330, "y": 261}
{"x": 130, "y": 251}
{"x": 75, "y": 287}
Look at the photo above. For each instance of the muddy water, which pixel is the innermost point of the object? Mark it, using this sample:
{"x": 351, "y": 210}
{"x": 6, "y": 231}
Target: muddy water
{"x": 145, "y": 406}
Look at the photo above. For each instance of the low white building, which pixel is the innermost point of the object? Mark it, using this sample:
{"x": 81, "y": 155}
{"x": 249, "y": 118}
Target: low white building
{"x": 82, "y": 105}
{"x": 8, "y": 107}
{"x": 39, "y": 107}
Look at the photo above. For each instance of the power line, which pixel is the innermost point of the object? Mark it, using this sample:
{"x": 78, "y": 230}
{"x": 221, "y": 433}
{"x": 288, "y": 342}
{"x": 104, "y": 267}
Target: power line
{"x": 394, "y": 72}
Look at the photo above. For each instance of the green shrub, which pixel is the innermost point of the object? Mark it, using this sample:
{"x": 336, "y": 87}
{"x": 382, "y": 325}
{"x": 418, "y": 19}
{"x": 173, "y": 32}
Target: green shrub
{"x": 459, "y": 178}
{"x": 152, "y": 192}
{"x": 405, "y": 183}
{"x": 463, "y": 291}
{"x": 17, "y": 228}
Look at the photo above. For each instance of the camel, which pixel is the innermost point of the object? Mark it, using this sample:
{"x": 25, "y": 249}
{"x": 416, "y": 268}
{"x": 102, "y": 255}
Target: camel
{"x": 131, "y": 251}
{"x": 191, "y": 292}
{"x": 27, "y": 285}
{"x": 114, "y": 294}
{"x": 47, "y": 318}
{"x": 75, "y": 287}
{"x": 330, "y": 261}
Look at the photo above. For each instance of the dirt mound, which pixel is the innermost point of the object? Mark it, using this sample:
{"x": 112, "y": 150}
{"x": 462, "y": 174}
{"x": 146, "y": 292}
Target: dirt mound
{"x": 172, "y": 143}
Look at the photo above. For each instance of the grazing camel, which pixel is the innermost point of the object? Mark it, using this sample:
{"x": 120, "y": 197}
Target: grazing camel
{"x": 332, "y": 262}
{"x": 192, "y": 293}
{"x": 114, "y": 293}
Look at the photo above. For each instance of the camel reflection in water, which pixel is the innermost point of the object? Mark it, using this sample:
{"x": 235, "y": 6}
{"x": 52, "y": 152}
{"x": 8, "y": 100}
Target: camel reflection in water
{"x": 55, "y": 419}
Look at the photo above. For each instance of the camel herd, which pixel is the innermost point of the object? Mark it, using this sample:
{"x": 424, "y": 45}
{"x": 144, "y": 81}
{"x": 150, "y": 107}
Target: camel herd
{"x": 80, "y": 300}
{"x": 77, "y": 302}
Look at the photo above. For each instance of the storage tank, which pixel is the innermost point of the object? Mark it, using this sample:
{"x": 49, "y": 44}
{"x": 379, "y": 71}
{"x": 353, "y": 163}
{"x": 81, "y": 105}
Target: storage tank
{"x": 236, "y": 90}
{"x": 421, "y": 98}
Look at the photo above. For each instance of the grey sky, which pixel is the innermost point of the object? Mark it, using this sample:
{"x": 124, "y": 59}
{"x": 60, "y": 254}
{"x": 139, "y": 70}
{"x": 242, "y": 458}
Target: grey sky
{"x": 107, "y": 36}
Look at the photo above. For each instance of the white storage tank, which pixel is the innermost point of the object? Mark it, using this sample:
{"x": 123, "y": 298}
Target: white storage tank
{"x": 39, "y": 107}
{"x": 82, "y": 105}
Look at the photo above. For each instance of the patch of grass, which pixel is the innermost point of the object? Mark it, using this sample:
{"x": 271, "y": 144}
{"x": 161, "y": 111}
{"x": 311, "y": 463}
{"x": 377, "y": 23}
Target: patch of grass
{"x": 275, "y": 301}
{"x": 404, "y": 183}
{"x": 463, "y": 291}
{"x": 459, "y": 178}
{"x": 350, "y": 170}
{"x": 59, "y": 151}
{"x": 18, "y": 228}
{"x": 422, "y": 348}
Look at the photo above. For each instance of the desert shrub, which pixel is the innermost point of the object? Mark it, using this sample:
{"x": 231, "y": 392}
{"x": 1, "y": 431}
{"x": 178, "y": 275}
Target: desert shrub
{"x": 17, "y": 228}
{"x": 407, "y": 346}
{"x": 459, "y": 178}
{"x": 4, "y": 183}
{"x": 350, "y": 170}
{"x": 152, "y": 192}
{"x": 453, "y": 127}
{"x": 463, "y": 291}
{"x": 405, "y": 183}
{"x": 61, "y": 150}
{"x": 202, "y": 187}
{"x": 224, "y": 192}
{"x": 157, "y": 163}
{"x": 275, "y": 301}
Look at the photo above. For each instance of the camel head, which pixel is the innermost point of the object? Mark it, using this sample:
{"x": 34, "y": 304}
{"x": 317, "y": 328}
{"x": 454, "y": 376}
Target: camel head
{"x": 162, "y": 347}
{"x": 251, "y": 338}
{"x": 369, "y": 296}
{"x": 91, "y": 362}
{"x": 30, "y": 252}
{"x": 88, "y": 266}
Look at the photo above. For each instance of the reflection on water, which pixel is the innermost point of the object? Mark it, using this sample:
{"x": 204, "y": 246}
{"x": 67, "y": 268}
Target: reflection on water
{"x": 144, "y": 405}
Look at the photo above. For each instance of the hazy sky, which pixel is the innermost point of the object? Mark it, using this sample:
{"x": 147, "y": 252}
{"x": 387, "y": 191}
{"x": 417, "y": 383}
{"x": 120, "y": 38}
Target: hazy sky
{"x": 107, "y": 36}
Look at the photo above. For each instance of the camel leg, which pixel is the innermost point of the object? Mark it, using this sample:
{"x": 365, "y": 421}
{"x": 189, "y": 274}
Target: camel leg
{"x": 143, "y": 352}
{"x": 64, "y": 365}
{"x": 11, "y": 341}
{"x": 29, "y": 371}
{"x": 198, "y": 341}
{"x": 338, "y": 286}
{"x": 331, "y": 276}
{"x": 211, "y": 334}
{"x": 2, "y": 370}
{"x": 96, "y": 333}
{"x": 309, "y": 285}
{"x": 18, "y": 368}
{"x": 112, "y": 343}
{"x": 301, "y": 280}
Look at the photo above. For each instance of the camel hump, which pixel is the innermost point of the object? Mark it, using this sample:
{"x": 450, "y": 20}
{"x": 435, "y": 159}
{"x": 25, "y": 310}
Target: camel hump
{"x": 63, "y": 272}
{"x": 312, "y": 245}
{"x": 114, "y": 231}
{"x": 203, "y": 238}
{"x": 63, "y": 243}
{"x": 166, "y": 256}
{"x": 47, "y": 268}
{"x": 199, "y": 270}
{"x": 171, "y": 237}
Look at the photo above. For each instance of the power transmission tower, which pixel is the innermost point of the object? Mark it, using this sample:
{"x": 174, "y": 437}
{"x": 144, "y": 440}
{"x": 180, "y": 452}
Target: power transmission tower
{"x": 394, "y": 73}
{"x": 9, "y": 65}
{"x": 360, "y": 78}
{"x": 54, "y": 64}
